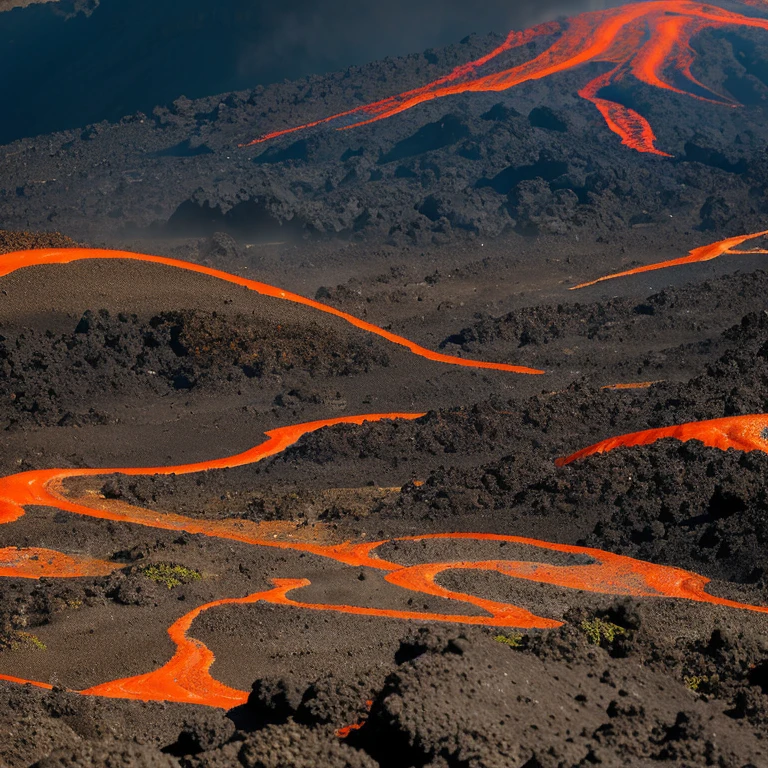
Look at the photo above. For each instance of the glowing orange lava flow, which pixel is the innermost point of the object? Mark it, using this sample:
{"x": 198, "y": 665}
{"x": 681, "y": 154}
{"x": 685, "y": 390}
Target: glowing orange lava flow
{"x": 704, "y": 253}
{"x": 650, "y": 41}
{"x": 743, "y": 433}
{"x": 44, "y": 487}
{"x": 186, "y": 677}
{"x": 13, "y": 261}
{"x": 37, "y": 563}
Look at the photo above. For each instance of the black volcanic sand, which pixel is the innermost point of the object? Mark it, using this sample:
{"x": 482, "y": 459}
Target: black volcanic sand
{"x": 459, "y": 225}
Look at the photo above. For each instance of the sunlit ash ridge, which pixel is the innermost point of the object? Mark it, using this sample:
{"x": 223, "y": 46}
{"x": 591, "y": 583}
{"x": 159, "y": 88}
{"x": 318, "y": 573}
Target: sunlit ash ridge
{"x": 648, "y": 41}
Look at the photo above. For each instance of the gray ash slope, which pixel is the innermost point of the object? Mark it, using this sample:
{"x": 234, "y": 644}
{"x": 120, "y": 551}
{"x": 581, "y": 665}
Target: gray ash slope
{"x": 536, "y": 159}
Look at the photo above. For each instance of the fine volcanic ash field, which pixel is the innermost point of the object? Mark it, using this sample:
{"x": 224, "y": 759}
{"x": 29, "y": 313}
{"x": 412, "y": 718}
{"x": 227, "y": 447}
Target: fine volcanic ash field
{"x": 412, "y": 415}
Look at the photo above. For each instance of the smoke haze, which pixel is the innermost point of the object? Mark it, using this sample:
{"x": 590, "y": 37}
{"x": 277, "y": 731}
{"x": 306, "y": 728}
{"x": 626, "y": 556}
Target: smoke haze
{"x": 129, "y": 55}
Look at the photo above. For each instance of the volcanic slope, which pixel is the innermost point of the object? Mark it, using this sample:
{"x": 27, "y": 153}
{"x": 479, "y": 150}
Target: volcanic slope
{"x": 534, "y": 157}
{"x": 465, "y": 566}
{"x": 484, "y": 468}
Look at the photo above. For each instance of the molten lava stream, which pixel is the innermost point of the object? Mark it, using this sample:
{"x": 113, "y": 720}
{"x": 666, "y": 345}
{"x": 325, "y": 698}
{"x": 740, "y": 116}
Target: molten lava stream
{"x": 704, "y": 253}
{"x": 13, "y": 261}
{"x": 186, "y": 677}
{"x": 45, "y": 487}
{"x": 38, "y": 563}
{"x": 647, "y": 40}
{"x": 743, "y": 433}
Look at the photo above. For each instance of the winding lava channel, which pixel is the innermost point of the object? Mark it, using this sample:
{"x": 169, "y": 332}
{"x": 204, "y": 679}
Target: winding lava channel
{"x": 649, "y": 41}
{"x": 186, "y": 677}
{"x": 14, "y": 261}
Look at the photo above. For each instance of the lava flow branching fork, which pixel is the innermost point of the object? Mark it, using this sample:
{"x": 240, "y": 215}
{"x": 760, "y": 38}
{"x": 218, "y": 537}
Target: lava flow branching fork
{"x": 649, "y": 41}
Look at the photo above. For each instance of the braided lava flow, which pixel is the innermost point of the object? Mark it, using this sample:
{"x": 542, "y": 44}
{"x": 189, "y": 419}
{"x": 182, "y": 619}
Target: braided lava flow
{"x": 13, "y": 261}
{"x": 649, "y": 41}
{"x": 186, "y": 677}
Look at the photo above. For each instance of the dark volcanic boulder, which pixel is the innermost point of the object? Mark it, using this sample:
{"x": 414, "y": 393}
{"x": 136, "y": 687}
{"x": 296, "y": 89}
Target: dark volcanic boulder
{"x": 112, "y": 754}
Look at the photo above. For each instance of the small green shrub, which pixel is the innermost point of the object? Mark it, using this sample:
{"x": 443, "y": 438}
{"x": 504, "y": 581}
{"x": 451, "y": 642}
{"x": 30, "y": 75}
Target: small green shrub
{"x": 170, "y": 575}
{"x": 21, "y": 641}
{"x": 513, "y": 639}
{"x": 601, "y": 632}
{"x": 695, "y": 682}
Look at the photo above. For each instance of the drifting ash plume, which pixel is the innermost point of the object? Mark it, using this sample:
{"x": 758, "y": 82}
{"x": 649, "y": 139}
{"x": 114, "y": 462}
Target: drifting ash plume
{"x": 648, "y": 41}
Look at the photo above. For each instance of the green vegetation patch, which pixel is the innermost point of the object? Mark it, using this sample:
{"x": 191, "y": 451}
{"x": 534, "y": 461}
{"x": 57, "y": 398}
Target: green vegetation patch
{"x": 513, "y": 639}
{"x": 696, "y": 683}
{"x": 21, "y": 641}
{"x": 601, "y": 632}
{"x": 170, "y": 575}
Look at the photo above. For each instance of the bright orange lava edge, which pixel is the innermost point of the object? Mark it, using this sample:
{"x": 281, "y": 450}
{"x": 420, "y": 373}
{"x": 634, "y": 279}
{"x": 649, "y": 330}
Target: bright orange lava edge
{"x": 704, "y": 253}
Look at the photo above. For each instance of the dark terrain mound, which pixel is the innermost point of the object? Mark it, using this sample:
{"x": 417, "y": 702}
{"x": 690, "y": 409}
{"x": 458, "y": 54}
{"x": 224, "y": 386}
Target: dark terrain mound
{"x": 536, "y": 161}
{"x": 460, "y": 699}
{"x": 48, "y": 380}
{"x": 595, "y": 692}
{"x": 11, "y": 241}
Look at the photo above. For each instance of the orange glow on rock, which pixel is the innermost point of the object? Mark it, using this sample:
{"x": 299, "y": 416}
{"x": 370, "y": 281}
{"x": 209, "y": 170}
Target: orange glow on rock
{"x": 650, "y": 41}
{"x": 704, "y": 253}
{"x": 13, "y": 261}
{"x": 632, "y": 385}
{"x": 743, "y": 433}
{"x": 342, "y": 733}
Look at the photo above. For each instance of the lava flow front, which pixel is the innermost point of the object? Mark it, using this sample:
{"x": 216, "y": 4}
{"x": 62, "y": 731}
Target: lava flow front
{"x": 649, "y": 41}
{"x": 742, "y": 433}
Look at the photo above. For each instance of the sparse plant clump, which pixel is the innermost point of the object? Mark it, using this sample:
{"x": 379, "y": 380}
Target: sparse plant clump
{"x": 170, "y": 575}
{"x": 21, "y": 641}
{"x": 513, "y": 639}
{"x": 601, "y": 632}
{"x": 696, "y": 683}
